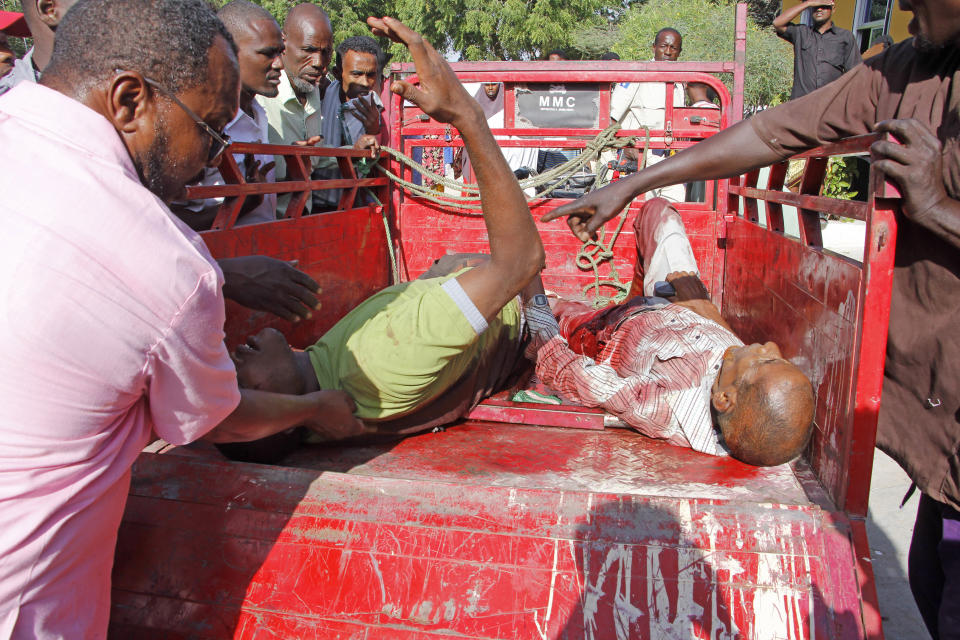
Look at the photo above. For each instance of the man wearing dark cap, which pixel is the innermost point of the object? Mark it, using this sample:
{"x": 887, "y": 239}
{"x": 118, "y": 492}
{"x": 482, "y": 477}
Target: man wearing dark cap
{"x": 111, "y": 326}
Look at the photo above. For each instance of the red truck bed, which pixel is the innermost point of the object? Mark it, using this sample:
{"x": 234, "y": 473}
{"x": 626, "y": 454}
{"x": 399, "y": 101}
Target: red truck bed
{"x": 483, "y": 531}
{"x": 499, "y": 526}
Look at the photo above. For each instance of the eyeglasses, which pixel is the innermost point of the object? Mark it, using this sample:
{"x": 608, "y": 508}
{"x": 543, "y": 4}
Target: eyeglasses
{"x": 220, "y": 141}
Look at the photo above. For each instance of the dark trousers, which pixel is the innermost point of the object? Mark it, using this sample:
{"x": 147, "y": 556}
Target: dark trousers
{"x": 934, "y": 567}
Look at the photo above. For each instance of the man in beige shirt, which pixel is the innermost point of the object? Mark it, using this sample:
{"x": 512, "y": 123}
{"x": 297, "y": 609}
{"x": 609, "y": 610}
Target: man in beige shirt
{"x": 295, "y": 114}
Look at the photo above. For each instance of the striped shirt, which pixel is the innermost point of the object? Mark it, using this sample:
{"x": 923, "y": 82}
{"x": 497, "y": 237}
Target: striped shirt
{"x": 654, "y": 373}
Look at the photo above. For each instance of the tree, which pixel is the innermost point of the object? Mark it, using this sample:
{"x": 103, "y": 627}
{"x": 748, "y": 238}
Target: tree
{"x": 469, "y": 29}
{"x": 764, "y": 11}
{"x": 500, "y": 29}
{"x": 592, "y": 42}
{"x": 707, "y": 27}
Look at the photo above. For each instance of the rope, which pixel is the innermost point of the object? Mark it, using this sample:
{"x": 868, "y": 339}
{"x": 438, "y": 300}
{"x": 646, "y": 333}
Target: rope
{"x": 469, "y": 201}
{"x": 591, "y": 255}
{"x": 363, "y": 169}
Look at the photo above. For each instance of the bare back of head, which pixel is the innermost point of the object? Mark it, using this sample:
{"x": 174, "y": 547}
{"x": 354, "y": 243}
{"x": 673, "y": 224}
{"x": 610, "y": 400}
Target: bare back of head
{"x": 773, "y": 418}
{"x": 166, "y": 40}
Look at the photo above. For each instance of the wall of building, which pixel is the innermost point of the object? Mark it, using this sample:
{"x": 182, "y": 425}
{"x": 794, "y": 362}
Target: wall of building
{"x": 898, "y": 24}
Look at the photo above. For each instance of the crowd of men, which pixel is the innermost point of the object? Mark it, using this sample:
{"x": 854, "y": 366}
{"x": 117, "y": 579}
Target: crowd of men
{"x": 112, "y": 325}
{"x": 287, "y": 96}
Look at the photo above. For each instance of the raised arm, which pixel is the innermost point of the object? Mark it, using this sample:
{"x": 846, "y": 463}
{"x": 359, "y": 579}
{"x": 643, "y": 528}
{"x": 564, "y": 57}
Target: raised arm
{"x": 516, "y": 253}
{"x": 781, "y": 21}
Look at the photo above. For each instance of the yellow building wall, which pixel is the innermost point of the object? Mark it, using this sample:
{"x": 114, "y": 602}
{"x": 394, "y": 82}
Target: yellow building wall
{"x": 843, "y": 14}
{"x": 898, "y": 24}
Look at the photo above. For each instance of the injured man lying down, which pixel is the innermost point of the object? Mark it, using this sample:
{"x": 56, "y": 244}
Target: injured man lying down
{"x": 674, "y": 369}
{"x": 423, "y": 353}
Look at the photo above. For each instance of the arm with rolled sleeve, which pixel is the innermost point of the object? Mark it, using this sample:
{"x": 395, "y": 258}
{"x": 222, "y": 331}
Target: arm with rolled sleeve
{"x": 192, "y": 381}
{"x": 789, "y": 32}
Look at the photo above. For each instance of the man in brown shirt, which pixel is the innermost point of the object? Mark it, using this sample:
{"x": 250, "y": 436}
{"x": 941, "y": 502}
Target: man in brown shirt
{"x": 909, "y": 92}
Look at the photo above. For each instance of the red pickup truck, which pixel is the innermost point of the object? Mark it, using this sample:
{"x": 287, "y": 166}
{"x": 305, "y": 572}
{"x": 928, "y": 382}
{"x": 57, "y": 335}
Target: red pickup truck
{"x": 526, "y": 520}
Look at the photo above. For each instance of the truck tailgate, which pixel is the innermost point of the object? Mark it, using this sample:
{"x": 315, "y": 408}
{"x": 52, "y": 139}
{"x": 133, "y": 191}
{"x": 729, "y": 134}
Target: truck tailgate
{"x": 483, "y": 531}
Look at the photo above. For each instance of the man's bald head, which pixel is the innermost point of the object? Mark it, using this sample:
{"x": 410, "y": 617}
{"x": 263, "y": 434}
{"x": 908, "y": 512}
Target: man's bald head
{"x": 238, "y": 15}
{"x": 306, "y": 15}
{"x": 308, "y": 37}
{"x": 773, "y": 416}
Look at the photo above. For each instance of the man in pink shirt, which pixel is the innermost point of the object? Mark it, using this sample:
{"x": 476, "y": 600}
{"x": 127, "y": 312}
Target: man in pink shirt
{"x": 111, "y": 320}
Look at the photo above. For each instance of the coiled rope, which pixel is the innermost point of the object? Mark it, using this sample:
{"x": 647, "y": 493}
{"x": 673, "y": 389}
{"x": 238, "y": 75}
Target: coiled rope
{"x": 592, "y": 254}
{"x": 468, "y": 200}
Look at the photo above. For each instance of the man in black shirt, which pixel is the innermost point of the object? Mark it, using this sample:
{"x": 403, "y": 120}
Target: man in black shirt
{"x": 821, "y": 53}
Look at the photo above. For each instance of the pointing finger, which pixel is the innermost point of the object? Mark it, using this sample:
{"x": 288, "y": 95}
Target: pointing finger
{"x": 571, "y": 208}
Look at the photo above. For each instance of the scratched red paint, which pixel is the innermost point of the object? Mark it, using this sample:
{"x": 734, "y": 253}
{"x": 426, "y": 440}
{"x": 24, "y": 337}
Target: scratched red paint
{"x": 499, "y": 530}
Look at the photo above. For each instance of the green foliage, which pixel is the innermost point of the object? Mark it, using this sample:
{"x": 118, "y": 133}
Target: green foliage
{"x": 592, "y": 42}
{"x": 467, "y": 29}
{"x": 499, "y": 29}
{"x": 840, "y": 176}
{"x": 707, "y": 27}
{"x": 763, "y": 11}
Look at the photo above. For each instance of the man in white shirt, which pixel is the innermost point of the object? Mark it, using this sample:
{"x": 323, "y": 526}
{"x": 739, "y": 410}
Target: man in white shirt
{"x": 259, "y": 48}
{"x": 643, "y": 104}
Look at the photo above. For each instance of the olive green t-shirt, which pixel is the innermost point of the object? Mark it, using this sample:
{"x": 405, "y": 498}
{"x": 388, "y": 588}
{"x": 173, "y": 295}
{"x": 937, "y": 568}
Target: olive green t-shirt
{"x": 404, "y": 346}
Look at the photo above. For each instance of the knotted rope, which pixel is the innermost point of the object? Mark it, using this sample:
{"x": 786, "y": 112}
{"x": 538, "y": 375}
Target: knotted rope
{"x": 468, "y": 201}
{"x": 591, "y": 255}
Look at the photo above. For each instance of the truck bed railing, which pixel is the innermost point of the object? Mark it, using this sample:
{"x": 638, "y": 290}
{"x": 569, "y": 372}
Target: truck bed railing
{"x": 839, "y": 304}
{"x": 300, "y": 185}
